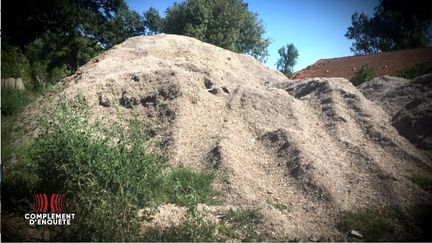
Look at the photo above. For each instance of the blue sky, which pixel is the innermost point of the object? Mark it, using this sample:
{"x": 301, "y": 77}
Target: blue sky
{"x": 315, "y": 27}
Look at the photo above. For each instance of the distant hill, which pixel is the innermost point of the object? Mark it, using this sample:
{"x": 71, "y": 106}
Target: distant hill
{"x": 386, "y": 63}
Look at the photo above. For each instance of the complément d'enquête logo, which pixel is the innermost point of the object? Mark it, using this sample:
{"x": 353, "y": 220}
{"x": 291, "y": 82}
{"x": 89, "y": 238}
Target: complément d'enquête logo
{"x": 40, "y": 215}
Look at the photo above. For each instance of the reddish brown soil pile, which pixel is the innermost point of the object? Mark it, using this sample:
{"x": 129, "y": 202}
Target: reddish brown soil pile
{"x": 387, "y": 63}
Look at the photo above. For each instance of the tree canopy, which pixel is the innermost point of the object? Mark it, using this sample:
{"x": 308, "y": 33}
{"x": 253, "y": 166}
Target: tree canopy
{"x": 396, "y": 24}
{"x": 225, "y": 23}
{"x": 287, "y": 59}
{"x": 58, "y": 36}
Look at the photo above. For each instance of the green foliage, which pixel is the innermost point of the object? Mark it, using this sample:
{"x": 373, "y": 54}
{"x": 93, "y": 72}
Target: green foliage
{"x": 280, "y": 206}
{"x": 54, "y": 48}
{"x": 372, "y": 223}
{"x": 395, "y": 25}
{"x": 242, "y": 223}
{"x": 228, "y": 24}
{"x": 364, "y": 74}
{"x": 287, "y": 60}
{"x": 417, "y": 70}
{"x": 152, "y": 21}
{"x": 422, "y": 181}
{"x": 106, "y": 177}
{"x": 14, "y": 101}
{"x": 14, "y": 64}
{"x": 235, "y": 224}
{"x": 124, "y": 24}
{"x": 186, "y": 187}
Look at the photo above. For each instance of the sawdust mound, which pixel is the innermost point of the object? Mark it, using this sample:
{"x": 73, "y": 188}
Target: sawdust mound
{"x": 409, "y": 104}
{"x": 317, "y": 145}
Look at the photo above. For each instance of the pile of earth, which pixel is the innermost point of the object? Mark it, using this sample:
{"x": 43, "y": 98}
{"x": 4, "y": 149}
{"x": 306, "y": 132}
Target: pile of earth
{"x": 409, "y": 104}
{"x": 317, "y": 144}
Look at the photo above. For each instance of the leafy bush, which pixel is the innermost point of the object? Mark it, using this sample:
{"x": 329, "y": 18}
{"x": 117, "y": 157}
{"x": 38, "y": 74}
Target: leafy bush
{"x": 417, "y": 70}
{"x": 13, "y": 101}
{"x": 106, "y": 173}
{"x": 364, "y": 74}
{"x": 186, "y": 187}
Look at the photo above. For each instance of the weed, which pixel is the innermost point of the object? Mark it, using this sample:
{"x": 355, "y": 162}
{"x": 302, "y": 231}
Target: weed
{"x": 13, "y": 101}
{"x": 422, "y": 181}
{"x": 372, "y": 223}
{"x": 106, "y": 173}
{"x": 186, "y": 187}
{"x": 364, "y": 74}
{"x": 242, "y": 223}
{"x": 194, "y": 228}
{"x": 238, "y": 224}
{"x": 280, "y": 206}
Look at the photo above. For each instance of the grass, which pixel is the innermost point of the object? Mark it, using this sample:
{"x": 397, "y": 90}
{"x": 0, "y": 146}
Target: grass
{"x": 186, "y": 187}
{"x": 422, "y": 181}
{"x": 242, "y": 223}
{"x": 235, "y": 224}
{"x": 374, "y": 224}
{"x": 280, "y": 206}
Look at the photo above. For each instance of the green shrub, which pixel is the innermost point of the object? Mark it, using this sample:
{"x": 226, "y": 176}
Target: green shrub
{"x": 186, "y": 187}
{"x": 417, "y": 70}
{"x": 105, "y": 173}
{"x": 364, "y": 74}
{"x": 13, "y": 101}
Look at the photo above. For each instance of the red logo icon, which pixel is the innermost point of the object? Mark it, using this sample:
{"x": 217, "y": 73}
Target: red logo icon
{"x": 41, "y": 203}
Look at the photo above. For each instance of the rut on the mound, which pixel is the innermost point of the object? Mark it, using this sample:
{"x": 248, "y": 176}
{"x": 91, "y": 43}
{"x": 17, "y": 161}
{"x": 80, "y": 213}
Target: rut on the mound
{"x": 317, "y": 144}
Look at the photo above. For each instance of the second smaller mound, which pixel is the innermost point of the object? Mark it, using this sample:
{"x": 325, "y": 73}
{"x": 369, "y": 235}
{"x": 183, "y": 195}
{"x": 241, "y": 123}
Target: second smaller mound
{"x": 408, "y": 102}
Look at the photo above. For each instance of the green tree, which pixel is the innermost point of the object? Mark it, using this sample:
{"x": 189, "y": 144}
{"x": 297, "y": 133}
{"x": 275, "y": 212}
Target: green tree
{"x": 287, "y": 60}
{"x": 60, "y": 35}
{"x": 396, "y": 24}
{"x": 225, "y": 23}
{"x": 152, "y": 21}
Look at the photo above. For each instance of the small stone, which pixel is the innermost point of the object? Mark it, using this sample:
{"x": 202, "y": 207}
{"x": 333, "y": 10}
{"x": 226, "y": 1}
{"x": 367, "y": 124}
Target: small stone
{"x": 355, "y": 233}
{"x": 135, "y": 78}
{"x": 127, "y": 100}
{"x": 214, "y": 91}
{"x": 225, "y": 90}
{"x": 208, "y": 83}
{"x": 104, "y": 101}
